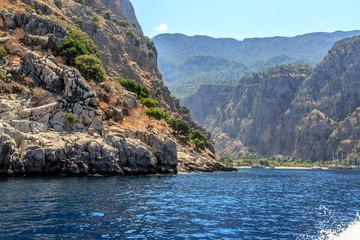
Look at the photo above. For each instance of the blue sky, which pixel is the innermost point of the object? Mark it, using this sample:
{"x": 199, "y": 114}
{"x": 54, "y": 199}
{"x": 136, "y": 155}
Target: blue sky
{"x": 246, "y": 18}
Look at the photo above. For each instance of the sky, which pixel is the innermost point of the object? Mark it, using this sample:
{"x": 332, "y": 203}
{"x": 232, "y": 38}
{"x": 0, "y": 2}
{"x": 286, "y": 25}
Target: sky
{"x": 246, "y": 18}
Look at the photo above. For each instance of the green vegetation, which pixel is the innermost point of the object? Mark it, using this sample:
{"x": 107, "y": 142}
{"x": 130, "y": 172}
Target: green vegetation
{"x": 132, "y": 86}
{"x": 90, "y": 67}
{"x": 2, "y": 76}
{"x": 80, "y": 1}
{"x": 285, "y": 161}
{"x": 53, "y": 18}
{"x": 108, "y": 15}
{"x": 80, "y": 22}
{"x": 158, "y": 92}
{"x": 85, "y": 39}
{"x": 196, "y": 134}
{"x": 73, "y": 48}
{"x": 199, "y": 139}
{"x": 184, "y": 56}
{"x": 151, "y": 54}
{"x": 198, "y": 70}
{"x": 138, "y": 41}
{"x": 180, "y": 126}
{"x": 151, "y": 44}
{"x": 156, "y": 113}
{"x": 199, "y": 144}
{"x": 95, "y": 18}
{"x": 131, "y": 33}
{"x": 58, "y": 3}
{"x": 72, "y": 118}
{"x": 82, "y": 52}
{"x": 3, "y": 52}
{"x": 122, "y": 23}
{"x": 95, "y": 27}
{"x": 184, "y": 109}
{"x": 149, "y": 102}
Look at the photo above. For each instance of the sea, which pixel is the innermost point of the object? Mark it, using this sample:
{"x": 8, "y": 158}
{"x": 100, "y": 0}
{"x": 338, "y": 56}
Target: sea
{"x": 248, "y": 204}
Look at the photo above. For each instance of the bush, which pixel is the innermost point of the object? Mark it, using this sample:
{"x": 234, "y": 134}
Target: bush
{"x": 90, "y": 67}
{"x": 72, "y": 118}
{"x": 107, "y": 15}
{"x": 95, "y": 18}
{"x": 134, "y": 87}
{"x": 156, "y": 113}
{"x": 80, "y": 1}
{"x": 85, "y": 39}
{"x": 73, "y": 48}
{"x": 131, "y": 33}
{"x": 80, "y": 22}
{"x": 199, "y": 144}
{"x": 184, "y": 109}
{"x": 151, "y": 44}
{"x": 158, "y": 92}
{"x": 138, "y": 41}
{"x": 123, "y": 23}
{"x": 149, "y": 102}
{"x": 3, "y": 52}
{"x": 58, "y": 3}
{"x": 2, "y": 76}
{"x": 95, "y": 27}
{"x": 196, "y": 134}
{"x": 180, "y": 126}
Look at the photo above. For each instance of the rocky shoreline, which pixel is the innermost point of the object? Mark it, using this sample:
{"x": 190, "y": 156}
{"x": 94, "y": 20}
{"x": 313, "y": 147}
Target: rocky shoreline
{"x": 112, "y": 134}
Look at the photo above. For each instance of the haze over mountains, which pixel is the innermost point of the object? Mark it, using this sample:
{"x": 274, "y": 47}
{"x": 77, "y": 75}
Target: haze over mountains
{"x": 186, "y": 62}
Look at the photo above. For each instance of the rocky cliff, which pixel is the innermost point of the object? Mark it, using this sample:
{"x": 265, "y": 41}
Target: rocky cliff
{"x": 290, "y": 110}
{"x": 54, "y": 121}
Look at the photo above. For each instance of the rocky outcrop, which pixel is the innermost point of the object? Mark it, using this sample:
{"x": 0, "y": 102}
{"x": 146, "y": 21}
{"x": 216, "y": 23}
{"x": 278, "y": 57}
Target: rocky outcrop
{"x": 82, "y": 153}
{"x": 54, "y": 122}
{"x": 291, "y": 111}
{"x": 249, "y": 111}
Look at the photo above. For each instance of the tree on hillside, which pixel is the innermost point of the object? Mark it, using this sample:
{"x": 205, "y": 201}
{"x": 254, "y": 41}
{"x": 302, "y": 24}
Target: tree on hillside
{"x": 180, "y": 126}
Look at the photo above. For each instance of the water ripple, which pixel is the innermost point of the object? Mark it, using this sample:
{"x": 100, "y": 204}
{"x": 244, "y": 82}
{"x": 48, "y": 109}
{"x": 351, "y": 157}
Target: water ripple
{"x": 249, "y": 204}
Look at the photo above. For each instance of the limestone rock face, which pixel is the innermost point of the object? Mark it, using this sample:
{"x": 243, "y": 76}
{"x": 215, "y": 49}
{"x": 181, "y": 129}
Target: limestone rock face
{"x": 288, "y": 110}
{"x": 54, "y": 122}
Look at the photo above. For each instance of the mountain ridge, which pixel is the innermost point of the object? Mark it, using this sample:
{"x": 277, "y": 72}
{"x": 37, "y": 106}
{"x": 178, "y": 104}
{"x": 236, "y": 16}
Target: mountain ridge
{"x": 254, "y": 53}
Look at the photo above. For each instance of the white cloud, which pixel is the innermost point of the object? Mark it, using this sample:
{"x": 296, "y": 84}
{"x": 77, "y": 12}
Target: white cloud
{"x": 162, "y": 28}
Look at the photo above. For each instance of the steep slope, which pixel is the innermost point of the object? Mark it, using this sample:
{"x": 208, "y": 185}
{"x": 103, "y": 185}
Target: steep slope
{"x": 254, "y": 53}
{"x": 288, "y": 110}
{"x": 185, "y": 79}
{"x": 54, "y": 121}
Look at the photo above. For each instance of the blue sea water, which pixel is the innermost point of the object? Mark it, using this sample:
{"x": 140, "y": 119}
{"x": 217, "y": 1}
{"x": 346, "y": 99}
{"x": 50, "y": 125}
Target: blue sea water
{"x": 248, "y": 204}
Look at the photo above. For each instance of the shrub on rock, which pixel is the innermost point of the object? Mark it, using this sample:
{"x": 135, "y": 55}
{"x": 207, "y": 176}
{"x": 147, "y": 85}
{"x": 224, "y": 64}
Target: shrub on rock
{"x": 3, "y": 52}
{"x": 132, "y": 86}
{"x": 180, "y": 126}
{"x": 90, "y": 67}
{"x": 156, "y": 113}
{"x": 149, "y": 102}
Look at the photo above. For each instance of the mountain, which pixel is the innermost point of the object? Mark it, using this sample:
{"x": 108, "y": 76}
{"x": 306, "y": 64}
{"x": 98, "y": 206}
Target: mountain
{"x": 176, "y": 50}
{"x": 291, "y": 110}
{"x": 64, "y": 106}
{"x": 185, "y": 79}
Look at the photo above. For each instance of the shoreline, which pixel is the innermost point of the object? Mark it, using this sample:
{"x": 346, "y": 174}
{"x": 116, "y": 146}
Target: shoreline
{"x": 284, "y": 167}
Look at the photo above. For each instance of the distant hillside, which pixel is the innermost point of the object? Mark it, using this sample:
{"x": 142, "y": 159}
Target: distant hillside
{"x": 291, "y": 110}
{"x": 185, "y": 78}
{"x": 177, "y": 52}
